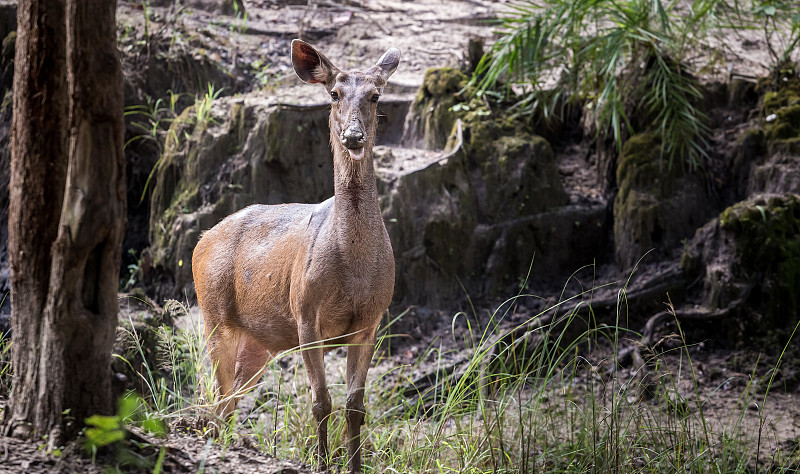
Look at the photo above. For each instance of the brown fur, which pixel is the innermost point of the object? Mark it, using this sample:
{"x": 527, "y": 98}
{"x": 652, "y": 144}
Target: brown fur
{"x": 275, "y": 278}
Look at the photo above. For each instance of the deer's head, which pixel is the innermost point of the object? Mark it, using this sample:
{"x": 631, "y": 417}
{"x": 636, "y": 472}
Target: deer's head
{"x": 354, "y": 94}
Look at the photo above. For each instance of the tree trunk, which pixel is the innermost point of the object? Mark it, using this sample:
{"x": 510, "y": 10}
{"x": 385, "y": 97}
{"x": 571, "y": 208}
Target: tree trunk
{"x": 75, "y": 329}
{"x": 36, "y": 187}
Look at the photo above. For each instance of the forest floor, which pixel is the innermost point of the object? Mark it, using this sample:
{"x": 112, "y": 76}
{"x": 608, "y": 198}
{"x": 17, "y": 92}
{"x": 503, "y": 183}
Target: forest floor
{"x": 726, "y": 385}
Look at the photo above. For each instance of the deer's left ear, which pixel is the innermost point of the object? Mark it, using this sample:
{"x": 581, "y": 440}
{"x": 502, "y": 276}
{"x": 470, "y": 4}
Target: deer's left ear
{"x": 311, "y": 65}
{"x": 387, "y": 63}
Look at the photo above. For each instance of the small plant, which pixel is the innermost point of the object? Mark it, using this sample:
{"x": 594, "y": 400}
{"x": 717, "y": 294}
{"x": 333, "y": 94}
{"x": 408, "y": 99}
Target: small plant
{"x": 202, "y": 111}
{"x": 103, "y": 430}
{"x": 263, "y": 73}
{"x": 171, "y": 365}
{"x": 147, "y": 12}
{"x": 156, "y": 117}
{"x": 153, "y": 119}
{"x": 133, "y": 272}
{"x": 5, "y": 362}
{"x": 780, "y": 21}
{"x": 240, "y": 23}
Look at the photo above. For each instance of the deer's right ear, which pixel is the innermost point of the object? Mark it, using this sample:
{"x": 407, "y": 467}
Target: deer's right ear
{"x": 311, "y": 65}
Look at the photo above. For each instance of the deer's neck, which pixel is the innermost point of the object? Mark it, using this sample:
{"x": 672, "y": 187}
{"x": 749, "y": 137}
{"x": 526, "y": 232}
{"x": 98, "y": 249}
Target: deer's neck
{"x": 358, "y": 220}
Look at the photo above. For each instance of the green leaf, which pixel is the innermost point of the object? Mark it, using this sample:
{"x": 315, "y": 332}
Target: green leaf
{"x": 101, "y": 437}
{"x": 103, "y": 422}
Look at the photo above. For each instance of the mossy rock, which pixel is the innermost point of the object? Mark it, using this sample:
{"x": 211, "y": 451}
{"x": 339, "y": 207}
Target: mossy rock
{"x": 519, "y": 177}
{"x": 751, "y": 145}
{"x": 776, "y": 100}
{"x": 785, "y": 125}
{"x": 543, "y": 248}
{"x": 752, "y": 250}
{"x": 431, "y": 118}
{"x": 790, "y": 146}
{"x": 482, "y": 129}
{"x": 513, "y": 171}
{"x": 642, "y": 166}
{"x": 779, "y": 174}
{"x": 460, "y": 220}
{"x": 782, "y": 107}
{"x": 441, "y": 82}
{"x": 767, "y": 234}
{"x": 655, "y": 207}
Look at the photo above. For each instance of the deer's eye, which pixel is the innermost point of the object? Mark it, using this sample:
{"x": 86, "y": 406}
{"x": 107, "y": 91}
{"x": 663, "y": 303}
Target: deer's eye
{"x": 335, "y": 96}
{"x": 374, "y": 98}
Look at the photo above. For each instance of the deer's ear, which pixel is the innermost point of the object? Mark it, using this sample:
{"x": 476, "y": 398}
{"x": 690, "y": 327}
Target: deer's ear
{"x": 311, "y": 65}
{"x": 387, "y": 63}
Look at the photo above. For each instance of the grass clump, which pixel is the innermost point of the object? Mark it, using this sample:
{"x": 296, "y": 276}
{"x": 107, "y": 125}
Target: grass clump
{"x": 546, "y": 393}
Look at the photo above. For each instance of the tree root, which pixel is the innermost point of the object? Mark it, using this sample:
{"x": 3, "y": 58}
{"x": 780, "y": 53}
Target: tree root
{"x": 632, "y": 355}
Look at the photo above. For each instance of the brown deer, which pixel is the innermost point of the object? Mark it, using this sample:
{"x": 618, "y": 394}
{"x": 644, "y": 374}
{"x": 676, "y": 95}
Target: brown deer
{"x": 308, "y": 276}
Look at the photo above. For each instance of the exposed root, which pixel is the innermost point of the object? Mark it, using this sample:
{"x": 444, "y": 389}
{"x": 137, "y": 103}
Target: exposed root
{"x": 633, "y": 354}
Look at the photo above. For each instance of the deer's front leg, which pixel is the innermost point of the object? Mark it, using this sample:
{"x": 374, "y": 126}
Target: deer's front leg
{"x": 313, "y": 358}
{"x": 358, "y": 359}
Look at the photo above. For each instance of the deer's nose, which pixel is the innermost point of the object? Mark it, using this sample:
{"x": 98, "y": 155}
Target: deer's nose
{"x": 353, "y": 136}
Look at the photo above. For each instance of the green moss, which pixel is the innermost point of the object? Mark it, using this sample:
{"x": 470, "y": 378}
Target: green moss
{"x": 482, "y": 133}
{"x": 482, "y": 129}
{"x": 8, "y": 100}
{"x": 640, "y": 167}
{"x": 790, "y": 146}
{"x": 180, "y": 127}
{"x": 779, "y": 130}
{"x": 184, "y": 200}
{"x": 238, "y": 125}
{"x": 785, "y": 125}
{"x": 790, "y": 114}
{"x": 655, "y": 205}
{"x": 689, "y": 263}
{"x": 783, "y": 109}
{"x": 774, "y": 101}
{"x": 433, "y": 109}
{"x": 767, "y": 235}
{"x": 441, "y": 82}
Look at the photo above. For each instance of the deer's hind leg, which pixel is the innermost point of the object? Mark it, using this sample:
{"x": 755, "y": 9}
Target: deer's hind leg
{"x": 222, "y": 343}
{"x": 251, "y": 360}
{"x": 238, "y": 361}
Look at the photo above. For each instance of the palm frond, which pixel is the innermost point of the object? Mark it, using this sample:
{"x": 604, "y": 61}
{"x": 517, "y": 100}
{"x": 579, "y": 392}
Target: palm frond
{"x": 591, "y": 49}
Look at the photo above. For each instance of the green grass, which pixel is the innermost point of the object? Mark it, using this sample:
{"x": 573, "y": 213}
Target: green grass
{"x": 544, "y": 401}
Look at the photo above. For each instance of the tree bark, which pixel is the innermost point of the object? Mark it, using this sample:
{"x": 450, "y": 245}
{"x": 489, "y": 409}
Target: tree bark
{"x": 72, "y": 378}
{"x": 36, "y": 187}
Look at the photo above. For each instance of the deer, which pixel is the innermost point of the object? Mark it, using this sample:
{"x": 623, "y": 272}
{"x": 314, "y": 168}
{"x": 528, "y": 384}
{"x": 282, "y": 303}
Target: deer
{"x": 307, "y": 277}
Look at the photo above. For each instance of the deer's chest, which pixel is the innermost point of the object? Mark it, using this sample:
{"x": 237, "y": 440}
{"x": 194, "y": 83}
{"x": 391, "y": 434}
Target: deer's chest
{"x": 353, "y": 293}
